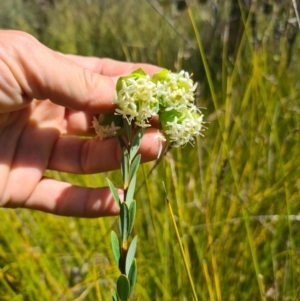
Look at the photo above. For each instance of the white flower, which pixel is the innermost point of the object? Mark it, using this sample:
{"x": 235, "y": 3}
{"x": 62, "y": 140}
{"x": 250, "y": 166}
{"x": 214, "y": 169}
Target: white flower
{"x": 160, "y": 138}
{"x": 137, "y": 100}
{"x": 104, "y": 131}
{"x": 176, "y": 91}
{"x": 181, "y": 131}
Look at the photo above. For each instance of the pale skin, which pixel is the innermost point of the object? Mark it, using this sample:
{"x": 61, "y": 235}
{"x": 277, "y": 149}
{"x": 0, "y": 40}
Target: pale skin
{"x": 47, "y": 101}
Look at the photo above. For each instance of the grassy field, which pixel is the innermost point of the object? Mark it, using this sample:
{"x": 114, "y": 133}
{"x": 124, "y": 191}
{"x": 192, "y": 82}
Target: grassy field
{"x": 235, "y": 195}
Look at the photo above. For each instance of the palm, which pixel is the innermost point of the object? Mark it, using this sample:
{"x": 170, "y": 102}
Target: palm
{"x": 48, "y": 136}
{"x": 32, "y": 141}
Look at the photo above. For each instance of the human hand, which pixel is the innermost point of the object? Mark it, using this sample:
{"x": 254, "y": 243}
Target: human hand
{"x": 47, "y": 101}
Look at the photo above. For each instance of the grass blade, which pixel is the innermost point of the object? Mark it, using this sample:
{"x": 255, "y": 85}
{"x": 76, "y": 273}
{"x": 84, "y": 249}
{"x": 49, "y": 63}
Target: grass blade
{"x": 181, "y": 247}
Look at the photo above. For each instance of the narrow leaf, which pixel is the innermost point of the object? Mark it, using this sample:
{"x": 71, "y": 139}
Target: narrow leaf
{"x": 134, "y": 166}
{"x": 114, "y": 192}
{"x": 128, "y": 130}
{"x": 122, "y": 143}
{"x": 130, "y": 191}
{"x": 123, "y": 288}
{"x": 114, "y": 295}
{"x": 125, "y": 167}
{"x": 132, "y": 275}
{"x": 132, "y": 212}
{"x": 115, "y": 246}
{"x": 124, "y": 221}
{"x": 130, "y": 255}
{"x": 136, "y": 143}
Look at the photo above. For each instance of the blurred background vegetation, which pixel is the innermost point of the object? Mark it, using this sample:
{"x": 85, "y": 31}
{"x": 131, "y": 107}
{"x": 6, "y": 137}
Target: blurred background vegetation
{"x": 235, "y": 195}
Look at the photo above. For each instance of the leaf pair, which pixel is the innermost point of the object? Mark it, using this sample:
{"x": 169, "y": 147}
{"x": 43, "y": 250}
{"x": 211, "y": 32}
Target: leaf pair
{"x": 125, "y": 285}
{"x": 126, "y": 282}
{"x": 126, "y": 219}
{"x": 117, "y": 252}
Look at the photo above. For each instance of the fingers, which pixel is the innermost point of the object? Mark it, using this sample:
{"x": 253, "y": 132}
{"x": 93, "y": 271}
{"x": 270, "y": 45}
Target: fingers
{"x": 64, "y": 199}
{"x": 78, "y": 123}
{"x": 31, "y": 70}
{"x": 75, "y": 155}
{"x": 41, "y": 73}
{"x": 109, "y": 67}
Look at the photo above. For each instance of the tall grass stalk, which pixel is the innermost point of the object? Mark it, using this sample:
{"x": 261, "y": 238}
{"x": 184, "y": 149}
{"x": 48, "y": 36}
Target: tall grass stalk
{"x": 186, "y": 265}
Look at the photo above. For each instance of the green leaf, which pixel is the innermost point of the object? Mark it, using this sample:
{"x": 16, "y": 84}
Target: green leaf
{"x": 130, "y": 255}
{"x": 120, "y": 82}
{"x": 130, "y": 191}
{"x": 123, "y": 288}
{"x": 125, "y": 167}
{"x": 124, "y": 221}
{"x": 134, "y": 166}
{"x": 139, "y": 71}
{"x": 132, "y": 275}
{"x": 170, "y": 115}
{"x": 122, "y": 143}
{"x": 114, "y": 295}
{"x": 128, "y": 130}
{"x": 160, "y": 76}
{"x": 132, "y": 213}
{"x": 114, "y": 192}
{"x": 135, "y": 74}
{"x": 156, "y": 106}
{"x": 136, "y": 143}
{"x": 115, "y": 246}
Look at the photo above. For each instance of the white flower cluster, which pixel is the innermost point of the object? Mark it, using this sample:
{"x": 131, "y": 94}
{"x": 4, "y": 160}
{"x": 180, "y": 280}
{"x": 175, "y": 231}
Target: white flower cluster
{"x": 176, "y": 91}
{"x": 166, "y": 94}
{"x": 137, "y": 100}
{"x": 183, "y": 131}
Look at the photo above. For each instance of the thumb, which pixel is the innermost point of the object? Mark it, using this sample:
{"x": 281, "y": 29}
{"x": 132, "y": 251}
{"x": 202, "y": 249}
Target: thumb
{"x": 43, "y": 73}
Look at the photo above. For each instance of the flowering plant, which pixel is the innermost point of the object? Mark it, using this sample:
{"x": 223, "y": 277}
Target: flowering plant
{"x": 139, "y": 98}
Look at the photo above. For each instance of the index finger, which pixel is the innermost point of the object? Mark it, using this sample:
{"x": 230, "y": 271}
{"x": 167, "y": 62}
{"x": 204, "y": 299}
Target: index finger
{"x": 109, "y": 67}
